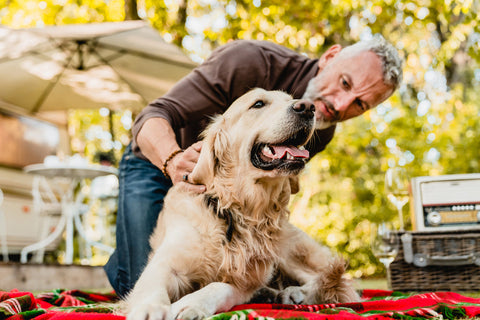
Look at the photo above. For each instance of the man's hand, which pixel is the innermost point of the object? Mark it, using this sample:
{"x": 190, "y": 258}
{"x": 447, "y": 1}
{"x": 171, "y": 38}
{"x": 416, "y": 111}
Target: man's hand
{"x": 181, "y": 166}
{"x": 157, "y": 140}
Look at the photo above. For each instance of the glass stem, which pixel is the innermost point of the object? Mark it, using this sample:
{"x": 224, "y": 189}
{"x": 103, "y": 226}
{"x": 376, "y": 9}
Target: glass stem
{"x": 400, "y": 217}
{"x": 389, "y": 276}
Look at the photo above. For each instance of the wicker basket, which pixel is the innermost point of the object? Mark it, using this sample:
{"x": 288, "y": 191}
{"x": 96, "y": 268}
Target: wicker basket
{"x": 436, "y": 261}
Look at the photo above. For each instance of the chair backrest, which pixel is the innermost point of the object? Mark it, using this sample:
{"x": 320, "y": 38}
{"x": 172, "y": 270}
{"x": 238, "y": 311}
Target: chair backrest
{"x": 45, "y": 200}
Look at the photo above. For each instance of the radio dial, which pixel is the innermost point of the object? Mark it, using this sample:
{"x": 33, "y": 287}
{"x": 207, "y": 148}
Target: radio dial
{"x": 434, "y": 218}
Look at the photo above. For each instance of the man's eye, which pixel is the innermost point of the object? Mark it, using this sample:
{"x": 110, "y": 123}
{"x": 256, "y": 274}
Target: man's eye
{"x": 259, "y": 104}
{"x": 361, "y": 105}
{"x": 345, "y": 83}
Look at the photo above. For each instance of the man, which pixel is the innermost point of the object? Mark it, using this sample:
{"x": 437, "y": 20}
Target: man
{"x": 343, "y": 84}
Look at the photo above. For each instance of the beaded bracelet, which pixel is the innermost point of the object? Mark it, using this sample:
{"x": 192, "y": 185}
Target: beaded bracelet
{"x": 165, "y": 163}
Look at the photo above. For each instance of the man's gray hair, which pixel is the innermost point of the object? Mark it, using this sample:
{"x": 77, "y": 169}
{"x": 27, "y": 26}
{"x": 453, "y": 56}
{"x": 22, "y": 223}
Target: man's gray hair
{"x": 388, "y": 54}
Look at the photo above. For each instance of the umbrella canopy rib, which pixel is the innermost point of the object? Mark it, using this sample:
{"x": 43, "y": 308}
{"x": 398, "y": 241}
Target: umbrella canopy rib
{"x": 149, "y": 56}
{"x": 50, "y": 87}
{"x": 106, "y": 62}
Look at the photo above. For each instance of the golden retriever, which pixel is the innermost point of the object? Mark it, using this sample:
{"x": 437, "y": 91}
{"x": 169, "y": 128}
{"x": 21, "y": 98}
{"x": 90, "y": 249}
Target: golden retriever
{"x": 213, "y": 251}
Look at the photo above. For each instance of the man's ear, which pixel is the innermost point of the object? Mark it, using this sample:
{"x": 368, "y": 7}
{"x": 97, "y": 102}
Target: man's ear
{"x": 328, "y": 55}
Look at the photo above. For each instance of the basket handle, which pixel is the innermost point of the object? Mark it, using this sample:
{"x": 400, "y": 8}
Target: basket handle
{"x": 423, "y": 260}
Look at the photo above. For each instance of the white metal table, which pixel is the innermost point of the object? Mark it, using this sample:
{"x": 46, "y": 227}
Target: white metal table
{"x": 70, "y": 216}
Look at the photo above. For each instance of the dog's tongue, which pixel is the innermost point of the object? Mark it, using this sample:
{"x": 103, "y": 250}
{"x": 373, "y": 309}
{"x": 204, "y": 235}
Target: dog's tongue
{"x": 280, "y": 151}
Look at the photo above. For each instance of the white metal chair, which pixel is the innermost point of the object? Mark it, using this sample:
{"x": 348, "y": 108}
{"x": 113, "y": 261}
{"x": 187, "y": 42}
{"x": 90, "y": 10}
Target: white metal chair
{"x": 3, "y": 230}
{"x": 46, "y": 203}
{"x": 67, "y": 212}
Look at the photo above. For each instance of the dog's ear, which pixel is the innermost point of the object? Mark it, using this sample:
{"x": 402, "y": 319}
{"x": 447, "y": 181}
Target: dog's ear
{"x": 212, "y": 155}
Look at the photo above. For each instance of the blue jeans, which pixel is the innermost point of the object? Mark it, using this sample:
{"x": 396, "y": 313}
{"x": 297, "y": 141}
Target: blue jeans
{"x": 142, "y": 189}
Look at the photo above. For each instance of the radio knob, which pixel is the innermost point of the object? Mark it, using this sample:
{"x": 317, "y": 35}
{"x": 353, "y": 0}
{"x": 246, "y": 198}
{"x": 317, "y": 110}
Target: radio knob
{"x": 434, "y": 218}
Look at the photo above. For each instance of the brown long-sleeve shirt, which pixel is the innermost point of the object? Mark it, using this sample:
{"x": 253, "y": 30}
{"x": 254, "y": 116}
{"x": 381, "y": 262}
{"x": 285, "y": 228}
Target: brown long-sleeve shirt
{"x": 228, "y": 73}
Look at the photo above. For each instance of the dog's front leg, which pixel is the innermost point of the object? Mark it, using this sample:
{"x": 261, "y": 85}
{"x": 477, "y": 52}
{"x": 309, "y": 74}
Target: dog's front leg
{"x": 213, "y": 298}
{"x": 317, "y": 271}
{"x": 149, "y": 298}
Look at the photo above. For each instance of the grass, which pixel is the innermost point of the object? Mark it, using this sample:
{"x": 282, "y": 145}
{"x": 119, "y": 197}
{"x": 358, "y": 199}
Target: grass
{"x": 372, "y": 283}
{"x": 381, "y": 283}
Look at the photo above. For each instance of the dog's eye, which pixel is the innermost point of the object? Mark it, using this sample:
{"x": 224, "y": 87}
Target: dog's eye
{"x": 259, "y": 104}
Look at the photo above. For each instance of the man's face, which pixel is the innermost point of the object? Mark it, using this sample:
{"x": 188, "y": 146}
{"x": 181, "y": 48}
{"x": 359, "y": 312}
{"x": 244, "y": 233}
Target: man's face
{"x": 346, "y": 86}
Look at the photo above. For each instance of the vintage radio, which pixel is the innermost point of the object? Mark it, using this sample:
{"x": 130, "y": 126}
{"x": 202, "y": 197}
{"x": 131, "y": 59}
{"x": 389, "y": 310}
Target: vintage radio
{"x": 448, "y": 202}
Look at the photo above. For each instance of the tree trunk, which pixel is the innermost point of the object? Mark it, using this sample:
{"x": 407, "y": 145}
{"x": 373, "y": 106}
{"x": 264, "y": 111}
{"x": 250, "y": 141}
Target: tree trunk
{"x": 131, "y": 12}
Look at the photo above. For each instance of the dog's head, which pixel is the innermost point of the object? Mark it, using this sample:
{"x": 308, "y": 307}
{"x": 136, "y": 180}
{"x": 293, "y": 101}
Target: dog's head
{"x": 261, "y": 135}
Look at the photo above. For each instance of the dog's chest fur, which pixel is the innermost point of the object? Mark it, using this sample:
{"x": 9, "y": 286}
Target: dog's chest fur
{"x": 247, "y": 260}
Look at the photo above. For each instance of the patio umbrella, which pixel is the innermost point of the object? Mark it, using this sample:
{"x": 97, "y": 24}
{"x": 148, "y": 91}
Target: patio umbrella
{"x": 114, "y": 65}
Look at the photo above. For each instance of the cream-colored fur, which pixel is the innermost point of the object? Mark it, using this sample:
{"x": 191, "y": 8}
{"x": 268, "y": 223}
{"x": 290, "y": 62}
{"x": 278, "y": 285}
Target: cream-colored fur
{"x": 194, "y": 270}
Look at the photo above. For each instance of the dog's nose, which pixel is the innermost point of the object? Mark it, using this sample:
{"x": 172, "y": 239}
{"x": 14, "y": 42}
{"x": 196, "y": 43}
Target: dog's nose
{"x": 305, "y": 108}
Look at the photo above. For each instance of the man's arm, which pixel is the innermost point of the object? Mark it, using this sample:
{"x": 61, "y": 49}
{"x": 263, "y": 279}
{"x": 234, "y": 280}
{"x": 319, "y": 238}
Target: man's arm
{"x": 230, "y": 71}
{"x": 157, "y": 141}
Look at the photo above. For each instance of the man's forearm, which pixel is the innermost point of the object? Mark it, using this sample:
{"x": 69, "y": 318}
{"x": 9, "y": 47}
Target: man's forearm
{"x": 156, "y": 140}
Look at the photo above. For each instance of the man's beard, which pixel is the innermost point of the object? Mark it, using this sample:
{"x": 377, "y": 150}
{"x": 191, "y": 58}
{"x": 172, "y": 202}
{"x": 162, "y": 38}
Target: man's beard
{"x": 313, "y": 95}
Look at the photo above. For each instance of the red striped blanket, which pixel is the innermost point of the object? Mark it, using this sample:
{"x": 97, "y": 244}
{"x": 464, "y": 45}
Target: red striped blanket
{"x": 377, "y": 304}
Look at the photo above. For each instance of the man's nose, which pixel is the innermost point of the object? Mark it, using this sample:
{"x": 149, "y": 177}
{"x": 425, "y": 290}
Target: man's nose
{"x": 343, "y": 102}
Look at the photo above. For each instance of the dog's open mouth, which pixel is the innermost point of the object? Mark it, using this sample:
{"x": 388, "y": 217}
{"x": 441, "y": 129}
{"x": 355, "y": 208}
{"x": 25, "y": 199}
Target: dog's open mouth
{"x": 272, "y": 152}
{"x": 284, "y": 156}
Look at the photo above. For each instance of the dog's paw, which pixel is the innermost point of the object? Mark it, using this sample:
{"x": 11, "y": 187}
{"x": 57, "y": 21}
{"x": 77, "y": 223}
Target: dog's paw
{"x": 150, "y": 312}
{"x": 265, "y": 295}
{"x": 292, "y": 295}
{"x": 192, "y": 313}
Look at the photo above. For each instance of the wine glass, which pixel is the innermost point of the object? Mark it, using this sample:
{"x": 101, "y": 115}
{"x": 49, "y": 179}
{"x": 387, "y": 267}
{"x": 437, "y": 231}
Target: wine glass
{"x": 385, "y": 245}
{"x": 396, "y": 188}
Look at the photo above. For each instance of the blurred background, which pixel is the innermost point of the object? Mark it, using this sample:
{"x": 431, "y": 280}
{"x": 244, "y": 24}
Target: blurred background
{"x": 429, "y": 126}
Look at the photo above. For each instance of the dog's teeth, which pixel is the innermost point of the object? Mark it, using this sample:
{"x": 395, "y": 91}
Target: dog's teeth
{"x": 302, "y": 148}
{"x": 267, "y": 151}
{"x": 290, "y": 157}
